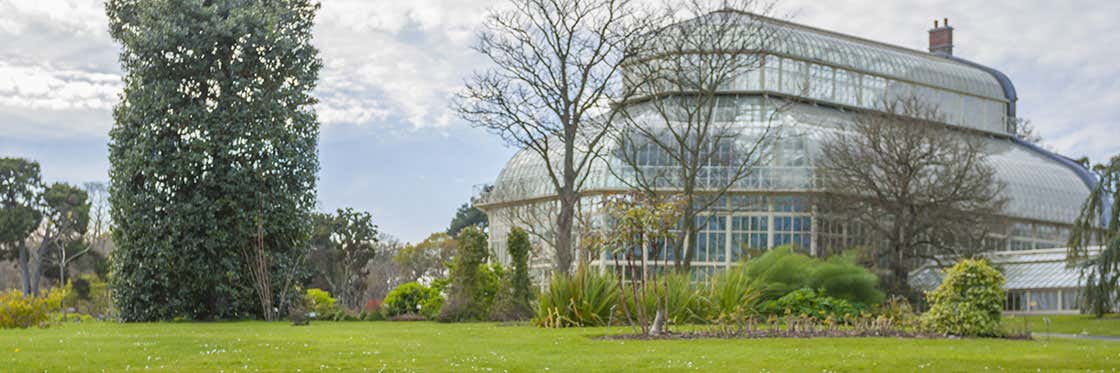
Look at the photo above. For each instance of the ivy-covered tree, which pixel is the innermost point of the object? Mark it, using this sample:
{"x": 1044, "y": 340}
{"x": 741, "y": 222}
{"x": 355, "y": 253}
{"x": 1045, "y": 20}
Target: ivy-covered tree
{"x": 1099, "y": 224}
{"x": 463, "y": 301}
{"x": 467, "y": 216}
{"x": 518, "y": 246}
{"x": 215, "y": 137}
{"x": 20, "y": 186}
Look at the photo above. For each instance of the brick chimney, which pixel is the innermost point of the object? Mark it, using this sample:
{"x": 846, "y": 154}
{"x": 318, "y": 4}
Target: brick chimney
{"x": 941, "y": 38}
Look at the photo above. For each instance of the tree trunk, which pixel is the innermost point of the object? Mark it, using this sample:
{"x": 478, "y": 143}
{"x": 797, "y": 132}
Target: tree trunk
{"x": 25, "y": 273}
{"x": 36, "y": 275}
{"x": 688, "y": 230}
{"x": 564, "y": 252}
{"x": 658, "y": 320}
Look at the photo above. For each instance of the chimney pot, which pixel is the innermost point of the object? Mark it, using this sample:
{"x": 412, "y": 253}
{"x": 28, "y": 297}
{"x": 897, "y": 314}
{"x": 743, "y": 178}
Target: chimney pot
{"x": 941, "y": 38}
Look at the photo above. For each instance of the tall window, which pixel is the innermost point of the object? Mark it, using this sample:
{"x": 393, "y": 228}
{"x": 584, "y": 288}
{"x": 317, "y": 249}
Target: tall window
{"x": 711, "y": 242}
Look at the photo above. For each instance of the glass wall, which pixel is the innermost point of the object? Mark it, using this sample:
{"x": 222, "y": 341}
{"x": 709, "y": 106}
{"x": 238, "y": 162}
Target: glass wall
{"x": 1042, "y": 300}
{"x": 1034, "y": 236}
{"x": 853, "y": 88}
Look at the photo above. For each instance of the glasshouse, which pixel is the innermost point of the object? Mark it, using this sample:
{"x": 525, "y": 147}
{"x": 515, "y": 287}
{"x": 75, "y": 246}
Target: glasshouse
{"x": 1038, "y": 281}
{"x": 809, "y": 82}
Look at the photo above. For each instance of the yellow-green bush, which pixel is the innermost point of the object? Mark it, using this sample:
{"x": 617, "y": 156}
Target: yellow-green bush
{"x": 968, "y": 302}
{"x": 22, "y": 311}
{"x": 412, "y": 298}
{"x": 321, "y": 303}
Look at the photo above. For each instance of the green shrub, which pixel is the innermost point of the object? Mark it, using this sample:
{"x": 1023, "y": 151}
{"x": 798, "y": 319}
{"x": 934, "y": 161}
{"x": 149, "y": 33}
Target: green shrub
{"x": 968, "y": 302}
{"x": 59, "y": 317}
{"x": 100, "y": 299}
{"x": 581, "y": 299}
{"x": 897, "y": 309}
{"x": 814, "y": 304}
{"x": 731, "y": 295}
{"x": 781, "y": 271}
{"x": 298, "y": 311}
{"x": 840, "y": 277}
{"x": 490, "y": 278}
{"x": 22, "y": 311}
{"x": 321, "y": 302}
{"x": 342, "y": 315}
{"x": 372, "y": 316}
{"x": 412, "y": 298}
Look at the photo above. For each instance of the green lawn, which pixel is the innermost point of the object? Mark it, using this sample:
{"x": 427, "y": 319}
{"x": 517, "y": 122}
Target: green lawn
{"x": 462, "y": 347}
{"x": 1068, "y": 324}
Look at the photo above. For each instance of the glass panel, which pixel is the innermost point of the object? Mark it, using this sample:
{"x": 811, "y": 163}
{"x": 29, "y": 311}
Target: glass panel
{"x": 794, "y": 77}
{"x": 820, "y": 82}
{"x": 1071, "y": 299}
{"x": 847, "y": 88}
{"x": 1044, "y": 300}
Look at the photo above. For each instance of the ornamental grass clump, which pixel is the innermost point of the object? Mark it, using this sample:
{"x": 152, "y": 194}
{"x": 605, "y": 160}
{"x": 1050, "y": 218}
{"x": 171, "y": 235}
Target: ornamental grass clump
{"x": 682, "y": 300}
{"x": 969, "y": 301}
{"x": 585, "y": 298}
{"x": 782, "y": 271}
{"x": 732, "y": 296}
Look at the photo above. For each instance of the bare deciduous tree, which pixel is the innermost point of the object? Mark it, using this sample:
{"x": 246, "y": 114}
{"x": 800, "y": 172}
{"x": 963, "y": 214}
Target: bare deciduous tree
{"x": 538, "y": 217}
{"x": 679, "y": 129}
{"x": 555, "y": 63}
{"x": 1026, "y": 131}
{"x": 384, "y": 272}
{"x": 917, "y": 188}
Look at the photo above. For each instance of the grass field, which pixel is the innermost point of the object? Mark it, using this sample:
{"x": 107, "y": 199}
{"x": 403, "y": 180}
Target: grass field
{"x": 1109, "y": 325}
{"x": 424, "y": 346}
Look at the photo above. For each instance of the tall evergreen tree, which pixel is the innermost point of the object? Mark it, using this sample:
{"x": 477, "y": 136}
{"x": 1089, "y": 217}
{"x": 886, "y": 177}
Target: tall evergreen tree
{"x": 1099, "y": 225}
{"x": 213, "y": 149}
{"x": 518, "y": 245}
{"x": 467, "y": 216}
{"x": 20, "y": 187}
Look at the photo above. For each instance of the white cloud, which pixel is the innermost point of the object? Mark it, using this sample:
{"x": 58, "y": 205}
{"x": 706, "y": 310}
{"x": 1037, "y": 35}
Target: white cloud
{"x": 392, "y": 63}
{"x": 79, "y": 17}
{"x": 412, "y": 56}
{"x": 48, "y": 88}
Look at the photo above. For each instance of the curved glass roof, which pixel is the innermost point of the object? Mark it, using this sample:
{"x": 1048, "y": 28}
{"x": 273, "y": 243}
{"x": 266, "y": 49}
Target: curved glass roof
{"x": 837, "y": 69}
{"x": 883, "y": 59}
{"x": 1038, "y": 187}
{"x": 831, "y": 48}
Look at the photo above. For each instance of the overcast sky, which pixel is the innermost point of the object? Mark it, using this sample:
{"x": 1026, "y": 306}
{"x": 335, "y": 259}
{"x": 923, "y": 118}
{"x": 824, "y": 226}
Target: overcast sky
{"x": 390, "y": 145}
